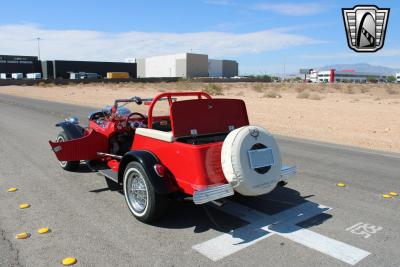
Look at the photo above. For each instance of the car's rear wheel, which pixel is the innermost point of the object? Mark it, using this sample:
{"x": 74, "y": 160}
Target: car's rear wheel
{"x": 144, "y": 203}
{"x": 66, "y": 165}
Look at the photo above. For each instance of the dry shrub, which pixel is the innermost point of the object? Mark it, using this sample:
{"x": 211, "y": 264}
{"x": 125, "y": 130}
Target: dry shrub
{"x": 272, "y": 94}
{"x": 315, "y": 97}
{"x": 278, "y": 86}
{"x": 189, "y": 86}
{"x": 348, "y": 90}
{"x": 364, "y": 90}
{"x": 44, "y": 84}
{"x": 300, "y": 88}
{"x": 392, "y": 91}
{"x": 303, "y": 95}
{"x": 258, "y": 87}
{"x": 181, "y": 86}
{"x": 335, "y": 86}
{"x": 240, "y": 93}
{"x": 214, "y": 89}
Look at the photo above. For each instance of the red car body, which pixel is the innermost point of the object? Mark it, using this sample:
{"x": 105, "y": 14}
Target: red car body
{"x": 188, "y": 166}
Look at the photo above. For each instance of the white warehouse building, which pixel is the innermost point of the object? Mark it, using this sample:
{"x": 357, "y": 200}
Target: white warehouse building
{"x": 184, "y": 65}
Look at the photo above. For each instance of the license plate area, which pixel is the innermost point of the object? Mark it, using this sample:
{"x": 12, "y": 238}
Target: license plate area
{"x": 260, "y": 158}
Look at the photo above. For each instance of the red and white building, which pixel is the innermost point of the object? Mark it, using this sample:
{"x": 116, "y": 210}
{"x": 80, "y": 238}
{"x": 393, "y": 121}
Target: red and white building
{"x": 349, "y": 76}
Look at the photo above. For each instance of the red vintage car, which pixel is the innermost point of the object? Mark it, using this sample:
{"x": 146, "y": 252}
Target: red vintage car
{"x": 201, "y": 147}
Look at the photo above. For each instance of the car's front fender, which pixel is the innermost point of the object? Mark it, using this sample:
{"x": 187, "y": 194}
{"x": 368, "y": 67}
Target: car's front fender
{"x": 72, "y": 130}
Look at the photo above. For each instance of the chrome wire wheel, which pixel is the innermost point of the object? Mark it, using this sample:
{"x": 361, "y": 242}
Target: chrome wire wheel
{"x": 136, "y": 191}
{"x": 59, "y": 140}
{"x": 143, "y": 201}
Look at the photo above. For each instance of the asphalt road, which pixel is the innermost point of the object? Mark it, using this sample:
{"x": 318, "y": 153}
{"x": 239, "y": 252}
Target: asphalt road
{"x": 90, "y": 221}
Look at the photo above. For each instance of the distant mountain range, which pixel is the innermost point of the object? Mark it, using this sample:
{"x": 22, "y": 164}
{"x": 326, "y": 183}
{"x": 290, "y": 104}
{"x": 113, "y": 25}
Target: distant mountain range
{"x": 362, "y": 67}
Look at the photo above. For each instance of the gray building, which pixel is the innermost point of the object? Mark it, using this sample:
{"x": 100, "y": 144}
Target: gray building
{"x": 223, "y": 68}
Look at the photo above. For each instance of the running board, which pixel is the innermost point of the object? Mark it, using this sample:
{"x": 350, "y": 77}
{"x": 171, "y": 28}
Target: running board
{"x": 110, "y": 174}
{"x": 109, "y": 155}
{"x": 212, "y": 193}
{"x": 103, "y": 169}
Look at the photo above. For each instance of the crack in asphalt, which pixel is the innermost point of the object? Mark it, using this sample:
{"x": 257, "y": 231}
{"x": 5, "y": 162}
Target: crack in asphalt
{"x": 11, "y": 256}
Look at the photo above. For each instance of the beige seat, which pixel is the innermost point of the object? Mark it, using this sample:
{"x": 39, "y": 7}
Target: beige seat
{"x": 155, "y": 134}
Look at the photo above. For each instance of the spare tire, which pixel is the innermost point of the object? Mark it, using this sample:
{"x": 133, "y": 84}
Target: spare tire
{"x": 251, "y": 161}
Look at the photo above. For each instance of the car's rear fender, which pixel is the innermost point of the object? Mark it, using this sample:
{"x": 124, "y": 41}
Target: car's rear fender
{"x": 147, "y": 160}
{"x": 72, "y": 130}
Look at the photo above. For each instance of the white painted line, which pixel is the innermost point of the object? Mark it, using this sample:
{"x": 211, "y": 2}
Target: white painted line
{"x": 229, "y": 243}
{"x": 284, "y": 223}
{"x": 326, "y": 245}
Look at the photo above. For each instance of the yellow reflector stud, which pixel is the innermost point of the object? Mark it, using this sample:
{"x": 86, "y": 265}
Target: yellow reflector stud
{"x": 395, "y": 194}
{"x": 341, "y": 184}
{"x": 12, "y": 189}
{"x": 386, "y": 196}
{"x": 69, "y": 261}
{"x": 23, "y": 235}
{"x": 24, "y": 206}
{"x": 43, "y": 230}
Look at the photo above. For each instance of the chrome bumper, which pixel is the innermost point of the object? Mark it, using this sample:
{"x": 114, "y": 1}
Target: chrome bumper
{"x": 288, "y": 172}
{"x": 226, "y": 190}
{"x": 212, "y": 193}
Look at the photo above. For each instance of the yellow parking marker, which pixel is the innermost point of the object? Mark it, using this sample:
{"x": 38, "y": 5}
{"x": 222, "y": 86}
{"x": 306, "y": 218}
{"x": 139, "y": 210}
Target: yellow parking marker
{"x": 341, "y": 184}
{"x": 12, "y": 189}
{"x": 69, "y": 261}
{"x": 22, "y": 235}
{"x": 386, "y": 196}
{"x": 24, "y": 206}
{"x": 395, "y": 194}
{"x": 43, "y": 230}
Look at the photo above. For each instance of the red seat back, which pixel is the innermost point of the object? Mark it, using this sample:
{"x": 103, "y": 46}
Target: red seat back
{"x": 207, "y": 116}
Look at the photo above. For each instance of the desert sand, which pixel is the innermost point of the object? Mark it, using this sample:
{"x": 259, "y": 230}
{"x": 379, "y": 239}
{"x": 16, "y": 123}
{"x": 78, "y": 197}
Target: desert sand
{"x": 363, "y": 115}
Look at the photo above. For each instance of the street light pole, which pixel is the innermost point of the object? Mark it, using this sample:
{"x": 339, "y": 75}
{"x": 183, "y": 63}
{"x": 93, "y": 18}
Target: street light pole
{"x": 284, "y": 71}
{"x": 38, "y": 46}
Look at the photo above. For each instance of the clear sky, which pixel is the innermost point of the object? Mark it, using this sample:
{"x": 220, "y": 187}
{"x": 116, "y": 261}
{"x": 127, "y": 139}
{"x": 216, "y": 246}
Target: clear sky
{"x": 261, "y": 35}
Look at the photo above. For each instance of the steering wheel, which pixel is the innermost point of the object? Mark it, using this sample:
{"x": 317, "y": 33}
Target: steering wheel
{"x": 133, "y": 114}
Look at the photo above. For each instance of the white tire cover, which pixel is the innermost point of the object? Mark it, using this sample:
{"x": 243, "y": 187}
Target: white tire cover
{"x": 236, "y": 163}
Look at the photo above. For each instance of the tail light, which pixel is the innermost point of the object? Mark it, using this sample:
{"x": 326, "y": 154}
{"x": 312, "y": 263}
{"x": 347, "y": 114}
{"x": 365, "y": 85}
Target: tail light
{"x": 160, "y": 170}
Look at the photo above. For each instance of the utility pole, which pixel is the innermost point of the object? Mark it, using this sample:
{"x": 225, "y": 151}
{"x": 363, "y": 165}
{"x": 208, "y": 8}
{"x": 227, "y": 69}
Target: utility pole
{"x": 38, "y": 46}
{"x": 284, "y": 68}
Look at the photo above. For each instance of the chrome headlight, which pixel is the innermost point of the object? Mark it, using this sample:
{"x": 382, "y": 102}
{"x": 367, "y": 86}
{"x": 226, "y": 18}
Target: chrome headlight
{"x": 73, "y": 120}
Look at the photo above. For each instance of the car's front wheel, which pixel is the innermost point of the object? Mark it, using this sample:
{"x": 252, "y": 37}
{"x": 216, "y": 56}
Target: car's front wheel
{"x": 144, "y": 203}
{"x": 66, "y": 165}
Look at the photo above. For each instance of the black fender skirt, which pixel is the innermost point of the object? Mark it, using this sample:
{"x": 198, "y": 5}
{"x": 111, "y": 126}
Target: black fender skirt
{"x": 147, "y": 160}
